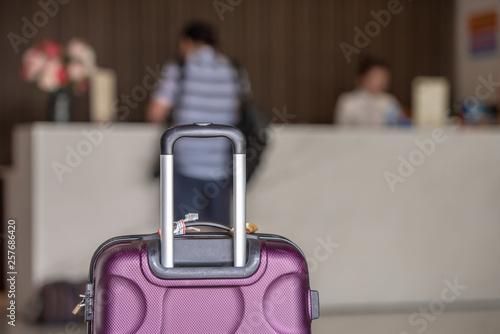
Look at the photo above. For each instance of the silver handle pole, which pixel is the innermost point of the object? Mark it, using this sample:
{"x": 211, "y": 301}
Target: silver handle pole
{"x": 167, "y": 210}
{"x": 239, "y": 198}
{"x": 202, "y": 130}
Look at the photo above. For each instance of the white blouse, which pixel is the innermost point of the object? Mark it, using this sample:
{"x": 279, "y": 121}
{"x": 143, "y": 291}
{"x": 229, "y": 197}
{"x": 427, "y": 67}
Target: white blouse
{"x": 361, "y": 107}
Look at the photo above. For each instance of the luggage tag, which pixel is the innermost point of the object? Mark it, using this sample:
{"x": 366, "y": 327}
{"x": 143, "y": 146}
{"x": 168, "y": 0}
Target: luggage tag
{"x": 180, "y": 225}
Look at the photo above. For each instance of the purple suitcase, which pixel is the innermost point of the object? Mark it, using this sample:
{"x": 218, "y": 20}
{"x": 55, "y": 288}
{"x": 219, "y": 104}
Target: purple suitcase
{"x": 200, "y": 282}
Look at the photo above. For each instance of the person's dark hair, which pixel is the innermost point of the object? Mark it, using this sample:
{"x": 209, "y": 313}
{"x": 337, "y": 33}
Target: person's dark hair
{"x": 369, "y": 63}
{"x": 200, "y": 32}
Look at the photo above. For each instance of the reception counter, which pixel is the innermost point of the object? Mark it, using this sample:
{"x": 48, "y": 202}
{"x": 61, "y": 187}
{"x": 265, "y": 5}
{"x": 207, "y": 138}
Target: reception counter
{"x": 385, "y": 218}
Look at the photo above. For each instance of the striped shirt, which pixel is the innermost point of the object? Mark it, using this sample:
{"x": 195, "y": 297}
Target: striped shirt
{"x": 206, "y": 89}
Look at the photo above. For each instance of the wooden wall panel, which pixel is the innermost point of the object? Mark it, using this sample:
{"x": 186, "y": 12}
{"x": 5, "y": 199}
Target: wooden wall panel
{"x": 290, "y": 48}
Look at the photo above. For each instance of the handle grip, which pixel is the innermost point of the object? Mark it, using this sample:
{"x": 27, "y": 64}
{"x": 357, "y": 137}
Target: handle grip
{"x": 202, "y": 130}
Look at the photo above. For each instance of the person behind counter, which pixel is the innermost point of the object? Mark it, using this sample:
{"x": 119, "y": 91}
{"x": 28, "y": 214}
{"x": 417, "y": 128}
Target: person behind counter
{"x": 369, "y": 104}
{"x": 203, "y": 87}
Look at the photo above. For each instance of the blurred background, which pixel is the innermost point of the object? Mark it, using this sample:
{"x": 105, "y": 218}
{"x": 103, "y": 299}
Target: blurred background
{"x": 290, "y": 48}
{"x": 391, "y": 218}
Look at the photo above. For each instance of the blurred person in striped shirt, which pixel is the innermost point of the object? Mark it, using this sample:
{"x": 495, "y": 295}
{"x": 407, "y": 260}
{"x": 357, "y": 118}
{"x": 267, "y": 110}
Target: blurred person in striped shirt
{"x": 204, "y": 86}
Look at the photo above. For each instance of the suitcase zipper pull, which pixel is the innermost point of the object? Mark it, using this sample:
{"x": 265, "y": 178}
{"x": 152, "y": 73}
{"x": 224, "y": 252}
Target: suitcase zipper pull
{"x": 79, "y": 306}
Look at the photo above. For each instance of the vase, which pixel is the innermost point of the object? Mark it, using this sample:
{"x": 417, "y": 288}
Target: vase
{"x": 59, "y": 108}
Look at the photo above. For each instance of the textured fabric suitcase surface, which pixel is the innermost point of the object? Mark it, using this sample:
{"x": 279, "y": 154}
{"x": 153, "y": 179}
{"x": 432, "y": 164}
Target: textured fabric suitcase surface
{"x": 200, "y": 282}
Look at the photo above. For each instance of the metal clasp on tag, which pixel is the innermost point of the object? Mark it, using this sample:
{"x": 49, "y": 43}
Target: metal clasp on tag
{"x": 180, "y": 225}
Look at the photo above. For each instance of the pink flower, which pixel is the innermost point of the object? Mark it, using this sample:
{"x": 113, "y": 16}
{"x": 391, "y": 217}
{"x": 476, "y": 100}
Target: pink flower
{"x": 50, "y": 78}
{"x": 52, "y": 49}
{"x": 52, "y": 67}
{"x": 33, "y": 63}
{"x": 63, "y": 76}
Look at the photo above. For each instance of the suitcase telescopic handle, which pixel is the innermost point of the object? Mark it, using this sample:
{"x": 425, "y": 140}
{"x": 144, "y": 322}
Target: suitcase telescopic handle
{"x": 202, "y": 130}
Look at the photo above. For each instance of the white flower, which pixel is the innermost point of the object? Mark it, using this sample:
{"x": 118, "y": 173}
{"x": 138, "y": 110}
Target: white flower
{"x": 80, "y": 51}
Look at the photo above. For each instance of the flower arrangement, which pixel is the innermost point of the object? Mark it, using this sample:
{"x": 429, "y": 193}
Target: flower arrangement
{"x": 51, "y": 67}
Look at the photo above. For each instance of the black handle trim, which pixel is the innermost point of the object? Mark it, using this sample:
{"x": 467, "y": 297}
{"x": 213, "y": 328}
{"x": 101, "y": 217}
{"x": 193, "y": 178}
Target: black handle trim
{"x": 253, "y": 264}
{"x": 203, "y": 130}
